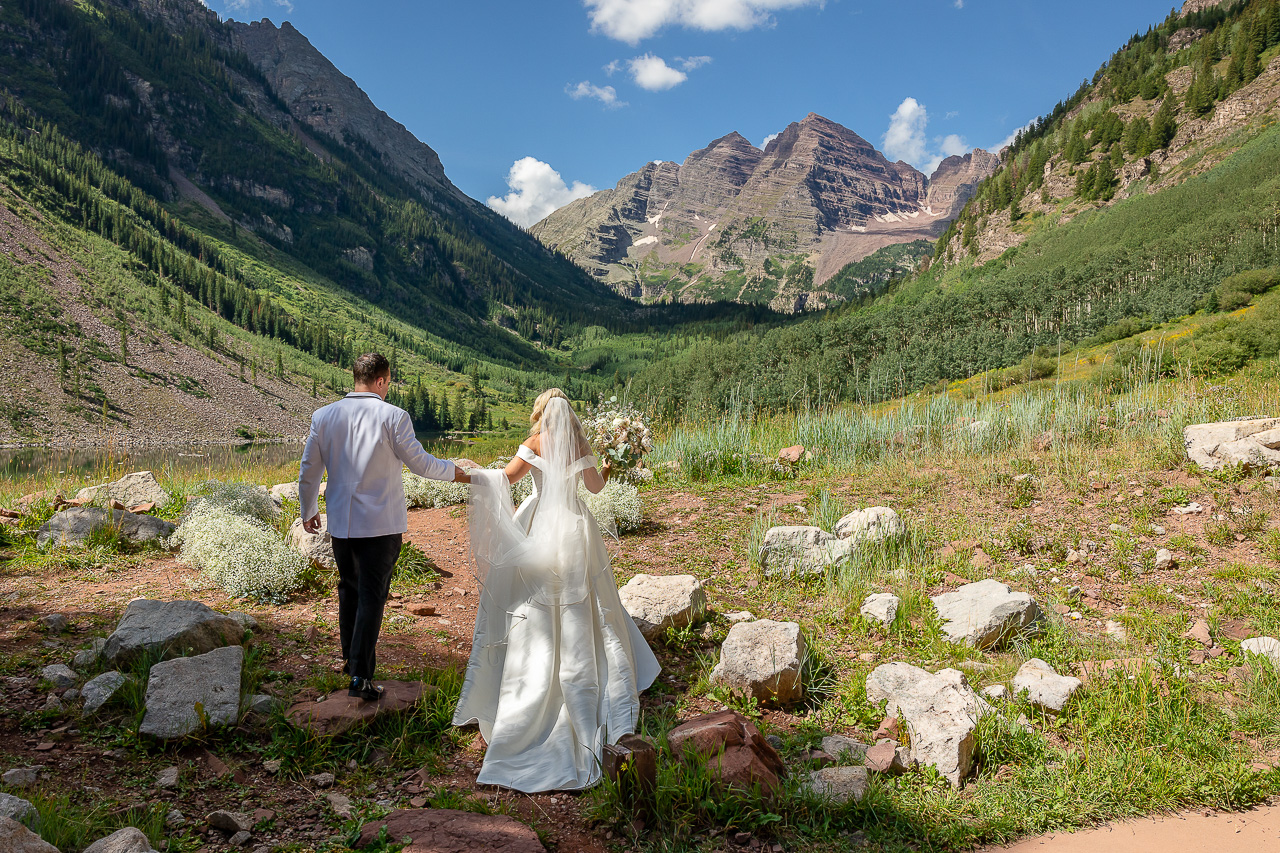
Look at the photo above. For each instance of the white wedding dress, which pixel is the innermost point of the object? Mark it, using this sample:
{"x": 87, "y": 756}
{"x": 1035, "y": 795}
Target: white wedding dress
{"x": 556, "y": 663}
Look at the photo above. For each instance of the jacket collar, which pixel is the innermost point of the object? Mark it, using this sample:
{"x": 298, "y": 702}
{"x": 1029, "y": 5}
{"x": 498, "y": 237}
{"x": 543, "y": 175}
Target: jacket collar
{"x": 363, "y": 394}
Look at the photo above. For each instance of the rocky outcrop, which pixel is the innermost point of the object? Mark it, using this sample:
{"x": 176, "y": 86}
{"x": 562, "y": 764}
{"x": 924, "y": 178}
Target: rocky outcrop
{"x": 1249, "y": 442}
{"x": 985, "y": 614}
{"x": 817, "y": 190}
{"x": 16, "y": 838}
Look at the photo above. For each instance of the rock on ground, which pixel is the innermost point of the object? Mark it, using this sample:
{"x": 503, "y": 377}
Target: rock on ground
{"x": 763, "y": 659}
{"x": 16, "y": 838}
{"x": 790, "y": 550}
{"x": 54, "y": 623}
{"x": 997, "y": 692}
{"x": 839, "y": 784}
{"x": 133, "y": 489}
{"x": 16, "y": 808}
{"x": 888, "y": 756}
{"x": 1267, "y": 647}
{"x": 316, "y": 547}
{"x": 69, "y": 528}
{"x": 282, "y": 492}
{"x": 127, "y": 840}
{"x": 59, "y": 675}
{"x": 659, "y": 602}
{"x": 985, "y": 614}
{"x": 230, "y": 822}
{"x": 737, "y": 752}
{"x": 1253, "y": 442}
{"x": 99, "y": 690}
{"x": 438, "y": 830}
{"x": 844, "y": 749}
{"x": 1043, "y": 686}
{"x": 874, "y": 524}
{"x": 169, "y": 628}
{"x": 940, "y": 710}
{"x": 881, "y": 607}
{"x": 339, "y": 712}
{"x": 175, "y": 687}
{"x": 20, "y": 777}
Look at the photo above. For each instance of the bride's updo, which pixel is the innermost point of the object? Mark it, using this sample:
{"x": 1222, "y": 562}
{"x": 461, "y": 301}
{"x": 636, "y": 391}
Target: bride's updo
{"x": 540, "y": 405}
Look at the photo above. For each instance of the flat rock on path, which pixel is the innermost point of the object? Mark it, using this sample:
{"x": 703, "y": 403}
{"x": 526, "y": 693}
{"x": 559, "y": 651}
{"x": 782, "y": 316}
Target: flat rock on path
{"x": 175, "y": 687}
{"x": 738, "y": 753}
{"x": 340, "y": 712}
{"x": 16, "y": 838}
{"x": 659, "y": 602}
{"x": 169, "y": 628}
{"x": 985, "y": 614}
{"x": 452, "y": 831}
{"x": 69, "y": 528}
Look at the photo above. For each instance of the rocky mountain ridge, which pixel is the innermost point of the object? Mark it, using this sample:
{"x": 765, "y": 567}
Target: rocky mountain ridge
{"x": 737, "y": 222}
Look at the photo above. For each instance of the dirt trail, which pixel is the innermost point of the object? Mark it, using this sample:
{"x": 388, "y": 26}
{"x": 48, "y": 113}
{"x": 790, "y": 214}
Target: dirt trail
{"x": 1254, "y": 831}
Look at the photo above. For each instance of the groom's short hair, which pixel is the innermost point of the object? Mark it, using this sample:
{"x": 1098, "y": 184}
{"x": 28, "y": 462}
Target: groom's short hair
{"x": 369, "y": 367}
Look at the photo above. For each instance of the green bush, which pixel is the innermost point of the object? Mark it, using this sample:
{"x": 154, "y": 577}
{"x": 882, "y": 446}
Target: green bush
{"x": 1238, "y": 290}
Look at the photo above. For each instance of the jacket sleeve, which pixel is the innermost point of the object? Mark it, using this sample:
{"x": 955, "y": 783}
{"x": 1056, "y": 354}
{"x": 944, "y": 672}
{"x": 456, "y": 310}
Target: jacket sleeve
{"x": 310, "y": 472}
{"x": 411, "y": 453}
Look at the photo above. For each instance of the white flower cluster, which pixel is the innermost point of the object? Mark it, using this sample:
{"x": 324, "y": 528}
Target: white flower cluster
{"x": 239, "y": 553}
{"x": 617, "y": 432}
{"x": 617, "y": 504}
{"x": 239, "y": 498}
{"x": 421, "y": 492}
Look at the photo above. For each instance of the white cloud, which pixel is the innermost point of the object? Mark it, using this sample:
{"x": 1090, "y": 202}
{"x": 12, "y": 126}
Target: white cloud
{"x": 768, "y": 139}
{"x": 248, "y": 5}
{"x": 633, "y": 20}
{"x": 606, "y": 95}
{"x": 689, "y": 63}
{"x": 612, "y": 67}
{"x": 959, "y": 4}
{"x": 1008, "y": 140}
{"x": 906, "y": 139}
{"x": 653, "y": 73}
{"x": 536, "y": 190}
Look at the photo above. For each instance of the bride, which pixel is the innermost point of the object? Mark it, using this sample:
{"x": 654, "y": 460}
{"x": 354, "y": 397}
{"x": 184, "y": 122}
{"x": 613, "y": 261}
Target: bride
{"x": 556, "y": 662}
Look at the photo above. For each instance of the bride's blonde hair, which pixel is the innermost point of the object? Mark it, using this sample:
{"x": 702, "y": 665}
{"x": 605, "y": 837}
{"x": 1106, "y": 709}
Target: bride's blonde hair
{"x": 540, "y": 405}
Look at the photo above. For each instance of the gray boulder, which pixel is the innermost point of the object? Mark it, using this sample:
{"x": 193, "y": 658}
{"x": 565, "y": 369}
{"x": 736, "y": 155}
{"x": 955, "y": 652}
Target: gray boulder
{"x": 762, "y": 659}
{"x": 659, "y": 602}
{"x": 133, "y": 489}
{"x": 316, "y": 547}
{"x": 881, "y": 607}
{"x": 840, "y": 784}
{"x": 985, "y": 614}
{"x": 16, "y": 838}
{"x": 18, "y": 809}
{"x": 176, "y": 687}
{"x": 169, "y": 628}
{"x": 127, "y": 840}
{"x": 20, "y": 777}
{"x": 844, "y": 749}
{"x": 69, "y": 528}
{"x": 59, "y": 675}
{"x": 791, "y": 550}
{"x": 1043, "y": 686}
{"x": 282, "y": 492}
{"x": 874, "y": 524}
{"x": 54, "y": 623}
{"x": 99, "y": 690}
{"x": 86, "y": 658}
{"x": 1252, "y": 442}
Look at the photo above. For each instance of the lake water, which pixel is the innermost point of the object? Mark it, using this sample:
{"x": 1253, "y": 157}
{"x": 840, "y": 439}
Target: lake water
{"x": 182, "y": 461}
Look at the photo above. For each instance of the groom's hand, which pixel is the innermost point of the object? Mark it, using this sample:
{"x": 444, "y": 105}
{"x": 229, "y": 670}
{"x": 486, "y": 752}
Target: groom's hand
{"x": 460, "y": 476}
{"x": 312, "y": 525}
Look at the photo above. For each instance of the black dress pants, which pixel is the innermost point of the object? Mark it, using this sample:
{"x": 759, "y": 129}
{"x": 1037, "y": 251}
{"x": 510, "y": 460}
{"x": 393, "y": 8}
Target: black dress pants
{"x": 364, "y": 580}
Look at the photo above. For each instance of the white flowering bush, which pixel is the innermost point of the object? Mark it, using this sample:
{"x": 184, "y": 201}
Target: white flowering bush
{"x": 238, "y": 498}
{"x": 429, "y": 494}
{"x": 617, "y": 432}
{"x": 239, "y": 553}
{"x": 618, "y": 503}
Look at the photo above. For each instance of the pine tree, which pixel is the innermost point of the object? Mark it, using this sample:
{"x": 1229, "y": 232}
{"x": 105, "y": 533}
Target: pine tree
{"x": 279, "y": 365}
{"x": 315, "y": 387}
{"x": 1164, "y": 126}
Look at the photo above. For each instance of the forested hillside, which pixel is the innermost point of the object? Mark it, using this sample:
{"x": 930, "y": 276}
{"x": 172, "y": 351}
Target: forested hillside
{"x": 1098, "y": 260}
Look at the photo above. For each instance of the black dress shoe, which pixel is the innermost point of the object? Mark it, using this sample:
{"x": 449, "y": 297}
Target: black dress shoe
{"x": 364, "y": 688}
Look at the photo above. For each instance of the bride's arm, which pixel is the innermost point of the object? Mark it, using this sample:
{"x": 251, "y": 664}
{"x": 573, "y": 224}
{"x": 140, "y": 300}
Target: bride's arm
{"x": 517, "y": 467}
{"x": 594, "y": 480}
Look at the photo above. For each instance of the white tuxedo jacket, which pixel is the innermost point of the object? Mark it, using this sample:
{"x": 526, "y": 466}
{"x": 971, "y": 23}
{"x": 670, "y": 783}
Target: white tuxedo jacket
{"x": 363, "y": 442}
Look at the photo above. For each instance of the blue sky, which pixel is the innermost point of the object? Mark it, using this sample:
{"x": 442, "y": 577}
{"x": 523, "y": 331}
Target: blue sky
{"x": 531, "y": 104}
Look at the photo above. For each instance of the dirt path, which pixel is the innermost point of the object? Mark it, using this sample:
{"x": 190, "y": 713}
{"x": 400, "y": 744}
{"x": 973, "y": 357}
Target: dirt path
{"x": 1254, "y": 831}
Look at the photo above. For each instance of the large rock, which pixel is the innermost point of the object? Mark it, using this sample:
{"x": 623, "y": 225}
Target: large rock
{"x": 1043, "y": 686}
{"x": 985, "y": 614}
{"x": 166, "y": 628}
{"x": 176, "y": 687}
{"x": 1266, "y": 647}
{"x": 99, "y": 690}
{"x": 282, "y": 492}
{"x": 17, "y": 808}
{"x": 1252, "y": 442}
{"x": 59, "y": 675}
{"x": 69, "y": 528}
{"x": 738, "y": 754}
{"x": 791, "y": 550}
{"x": 316, "y": 547}
{"x": 16, "y": 838}
{"x": 452, "y": 831}
{"x": 839, "y": 784}
{"x": 133, "y": 489}
{"x": 659, "y": 602}
{"x": 762, "y": 659}
{"x": 940, "y": 710}
{"x": 339, "y": 712}
{"x": 874, "y": 524}
{"x": 127, "y": 840}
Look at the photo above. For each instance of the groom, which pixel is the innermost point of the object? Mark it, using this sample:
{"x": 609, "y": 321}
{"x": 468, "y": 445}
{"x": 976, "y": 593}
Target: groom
{"x": 363, "y": 442}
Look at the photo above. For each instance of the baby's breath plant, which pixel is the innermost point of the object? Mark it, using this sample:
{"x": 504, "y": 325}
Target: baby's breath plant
{"x": 237, "y": 552}
{"x": 238, "y": 498}
{"x": 431, "y": 494}
{"x": 617, "y": 504}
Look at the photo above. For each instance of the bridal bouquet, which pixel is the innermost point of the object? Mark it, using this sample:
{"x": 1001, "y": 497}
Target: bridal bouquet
{"x": 617, "y": 431}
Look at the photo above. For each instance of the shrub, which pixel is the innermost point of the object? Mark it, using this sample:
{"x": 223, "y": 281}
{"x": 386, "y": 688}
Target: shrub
{"x": 1238, "y": 290}
{"x": 239, "y": 498}
{"x": 617, "y": 503}
{"x": 239, "y": 553}
{"x": 421, "y": 492}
